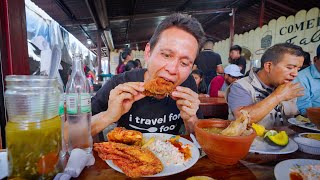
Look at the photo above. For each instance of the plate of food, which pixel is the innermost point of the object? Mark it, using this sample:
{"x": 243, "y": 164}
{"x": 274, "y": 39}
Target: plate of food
{"x": 272, "y": 142}
{"x": 260, "y": 146}
{"x": 152, "y": 155}
{"x": 297, "y": 169}
{"x": 303, "y": 122}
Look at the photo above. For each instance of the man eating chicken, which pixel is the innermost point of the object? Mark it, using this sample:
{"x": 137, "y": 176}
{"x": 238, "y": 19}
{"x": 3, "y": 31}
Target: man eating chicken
{"x": 162, "y": 97}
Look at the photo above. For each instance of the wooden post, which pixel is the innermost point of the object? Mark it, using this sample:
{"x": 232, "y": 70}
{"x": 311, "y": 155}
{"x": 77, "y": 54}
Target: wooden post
{"x": 13, "y": 46}
{"x": 232, "y": 22}
{"x": 14, "y": 49}
{"x": 99, "y": 55}
{"x": 262, "y": 5}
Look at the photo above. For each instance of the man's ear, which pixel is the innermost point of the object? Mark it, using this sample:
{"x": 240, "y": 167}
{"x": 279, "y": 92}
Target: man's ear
{"x": 267, "y": 66}
{"x": 147, "y": 53}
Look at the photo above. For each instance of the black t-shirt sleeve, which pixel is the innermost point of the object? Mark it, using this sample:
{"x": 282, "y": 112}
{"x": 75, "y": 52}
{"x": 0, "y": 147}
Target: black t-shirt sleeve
{"x": 99, "y": 102}
{"x": 242, "y": 62}
{"x": 219, "y": 59}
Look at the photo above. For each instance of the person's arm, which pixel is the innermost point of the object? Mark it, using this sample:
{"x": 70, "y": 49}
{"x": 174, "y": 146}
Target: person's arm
{"x": 221, "y": 94}
{"x": 304, "y": 101}
{"x": 219, "y": 69}
{"x": 242, "y": 64}
{"x": 120, "y": 102}
{"x": 260, "y": 109}
{"x": 215, "y": 85}
{"x": 194, "y": 67}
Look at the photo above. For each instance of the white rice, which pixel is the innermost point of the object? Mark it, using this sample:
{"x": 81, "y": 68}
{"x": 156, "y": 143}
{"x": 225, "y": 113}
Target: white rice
{"x": 166, "y": 152}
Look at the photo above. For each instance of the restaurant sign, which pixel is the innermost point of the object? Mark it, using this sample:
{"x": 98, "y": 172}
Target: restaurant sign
{"x": 309, "y": 24}
{"x": 301, "y": 29}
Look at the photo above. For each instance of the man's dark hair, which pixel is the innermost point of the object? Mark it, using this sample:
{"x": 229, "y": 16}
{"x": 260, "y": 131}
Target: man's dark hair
{"x": 130, "y": 65}
{"x": 275, "y": 53}
{"x": 183, "y": 22}
{"x": 236, "y": 48}
{"x": 126, "y": 52}
{"x": 306, "y": 61}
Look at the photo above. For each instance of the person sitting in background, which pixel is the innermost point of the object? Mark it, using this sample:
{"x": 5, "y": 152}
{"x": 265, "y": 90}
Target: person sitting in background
{"x": 309, "y": 78}
{"x": 236, "y": 58}
{"x": 269, "y": 94}
{"x": 138, "y": 63}
{"x": 124, "y": 57}
{"x": 220, "y": 83}
{"x": 306, "y": 61}
{"x": 201, "y": 84}
{"x": 131, "y": 65}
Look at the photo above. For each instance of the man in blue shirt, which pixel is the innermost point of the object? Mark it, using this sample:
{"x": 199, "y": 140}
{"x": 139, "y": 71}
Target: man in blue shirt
{"x": 309, "y": 78}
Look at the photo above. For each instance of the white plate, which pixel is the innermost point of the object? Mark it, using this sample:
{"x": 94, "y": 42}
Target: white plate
{"x": 171, "y": 169}
{"x": 305, "y": 125}
{"x": 282, "y": 169}
{"x": 262, "y": 147}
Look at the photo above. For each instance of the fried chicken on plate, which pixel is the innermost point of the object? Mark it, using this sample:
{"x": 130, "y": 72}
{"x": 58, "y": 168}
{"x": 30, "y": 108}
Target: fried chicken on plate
{"x": 122, "y": 135}
{"x": 134, "y": 161}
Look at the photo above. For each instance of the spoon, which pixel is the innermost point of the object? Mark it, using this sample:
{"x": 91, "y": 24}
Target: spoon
{"x": 195, "y": 142}
{"x": 150, "y": 129}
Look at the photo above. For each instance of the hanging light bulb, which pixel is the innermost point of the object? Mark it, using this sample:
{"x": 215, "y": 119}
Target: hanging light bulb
{"x": 89, "y": 41}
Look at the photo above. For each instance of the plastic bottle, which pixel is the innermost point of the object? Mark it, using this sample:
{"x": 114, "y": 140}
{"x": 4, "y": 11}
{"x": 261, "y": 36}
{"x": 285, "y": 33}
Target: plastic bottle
{"x": 62, "y": 114}
{"x": 78, "y": 113}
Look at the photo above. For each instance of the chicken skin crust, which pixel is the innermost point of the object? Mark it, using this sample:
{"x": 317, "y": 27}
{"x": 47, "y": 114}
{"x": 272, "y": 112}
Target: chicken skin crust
{"x": 158, "y": 88}
{"x": 122, "y": 135}
{"x": 134, "y": 161}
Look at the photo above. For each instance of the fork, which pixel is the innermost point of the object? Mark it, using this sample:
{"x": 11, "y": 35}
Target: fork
{"x": 195, "y": 142}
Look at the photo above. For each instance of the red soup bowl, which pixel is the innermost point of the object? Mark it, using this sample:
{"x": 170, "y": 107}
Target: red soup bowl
{"x": 313, "y": 114}
{"x": 226, "y": 150}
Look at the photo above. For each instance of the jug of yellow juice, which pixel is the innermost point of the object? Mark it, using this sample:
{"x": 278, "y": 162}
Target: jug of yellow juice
{"x": 33, "y": 133}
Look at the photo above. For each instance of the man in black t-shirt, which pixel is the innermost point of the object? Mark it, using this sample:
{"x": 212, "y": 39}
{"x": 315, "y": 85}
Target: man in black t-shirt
{"x": 236, "y": 58}
{"x": 170, "y": 54}
{"x": 209, "y": 62}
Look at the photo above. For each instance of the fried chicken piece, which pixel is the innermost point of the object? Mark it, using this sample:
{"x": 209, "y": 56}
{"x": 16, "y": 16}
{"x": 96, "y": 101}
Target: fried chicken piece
{"x": 239, "y": 126}
{"x": 122, "y": 135}
{"x": 158, "y": 88}
{"x": 137, "y": 170}
{"x": 132, "y": 160}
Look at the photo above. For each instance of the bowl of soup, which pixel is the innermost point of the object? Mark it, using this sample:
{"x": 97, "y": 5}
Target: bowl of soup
{"x": 227, "y": 150}
{"x": 313, "y": 114}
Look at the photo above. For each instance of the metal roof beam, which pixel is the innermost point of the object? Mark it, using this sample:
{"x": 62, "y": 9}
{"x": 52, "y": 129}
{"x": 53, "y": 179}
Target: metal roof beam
{"x": 156, "y": 15}
{"x": 67, "y": 11}
{"x": 285, "y": 7}
{"x": 183, "y": 6}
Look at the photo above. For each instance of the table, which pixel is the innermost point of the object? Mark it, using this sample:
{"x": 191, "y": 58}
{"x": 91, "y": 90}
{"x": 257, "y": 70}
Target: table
{"x": 253, "y": 166}
{"x": 214, "y": 107}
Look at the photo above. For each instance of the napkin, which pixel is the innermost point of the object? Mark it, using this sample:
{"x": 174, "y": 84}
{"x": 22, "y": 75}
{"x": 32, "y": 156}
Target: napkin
{"x": 3, "y": 165}
{"x": 77, "y": 161}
